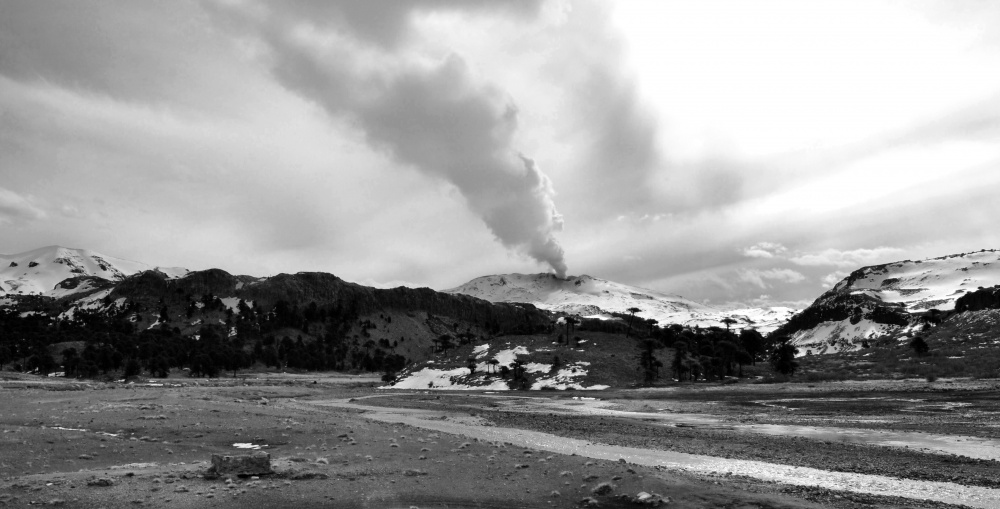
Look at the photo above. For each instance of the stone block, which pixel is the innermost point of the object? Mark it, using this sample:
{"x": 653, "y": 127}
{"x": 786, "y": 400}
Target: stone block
{"x": 257, "y": 463}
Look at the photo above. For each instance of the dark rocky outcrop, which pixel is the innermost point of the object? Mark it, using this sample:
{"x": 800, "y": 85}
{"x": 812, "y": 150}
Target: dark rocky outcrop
{"x": 979, "y": 300}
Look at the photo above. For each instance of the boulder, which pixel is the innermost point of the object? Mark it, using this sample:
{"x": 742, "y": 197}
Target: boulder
{"x": 257, "y": 463}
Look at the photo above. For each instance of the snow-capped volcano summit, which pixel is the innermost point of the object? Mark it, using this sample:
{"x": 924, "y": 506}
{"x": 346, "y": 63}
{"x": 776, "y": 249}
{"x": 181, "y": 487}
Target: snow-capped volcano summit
{"x": 40, "y": 271}
{"x": 583, "y": 295}
{"x": 589, "y": 296}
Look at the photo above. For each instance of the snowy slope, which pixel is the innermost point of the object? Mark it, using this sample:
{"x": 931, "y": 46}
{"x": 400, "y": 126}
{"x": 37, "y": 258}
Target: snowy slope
{"x": 41, "y": 270}
{"x": 588, "y": 296}
{"x": 906, "y": 288}
{"x": 925, "y": 284}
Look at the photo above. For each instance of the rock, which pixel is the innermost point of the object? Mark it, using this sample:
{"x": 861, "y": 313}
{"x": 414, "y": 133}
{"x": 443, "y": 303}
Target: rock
{"x": 650, "y": 499}
{"x": 248, "y": 464}
{"x": 413, "y": 472}
{"x": 589, "y": 502}
{"x": 302, "y": 476}
{"x": 603, "y": 489}
{"x": 85, "y": 457}
{"x": 555, "y": 493}
{"x": 101, "y": 481}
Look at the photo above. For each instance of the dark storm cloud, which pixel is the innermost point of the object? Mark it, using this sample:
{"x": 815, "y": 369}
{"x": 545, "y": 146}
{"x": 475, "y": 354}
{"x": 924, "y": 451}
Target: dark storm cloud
{"x": 432, "y": 115}
{"x": 620, "y": 134}
{"x": 93, "y": 46}
{"x": 624, "y": 149}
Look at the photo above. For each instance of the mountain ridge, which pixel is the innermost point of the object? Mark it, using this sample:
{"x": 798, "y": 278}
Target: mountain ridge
{"x": 890, "y": 300}
{"x": 40, "y": 271}
{"x": 592, "y": 297}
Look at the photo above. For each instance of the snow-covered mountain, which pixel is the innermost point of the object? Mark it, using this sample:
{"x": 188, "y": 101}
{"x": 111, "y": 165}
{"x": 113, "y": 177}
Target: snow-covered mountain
{"x": 924, "y": 284}
{"x": 589, "y": 296}
{"x": 888, "y": 300}
{"x": 40, "y": 271}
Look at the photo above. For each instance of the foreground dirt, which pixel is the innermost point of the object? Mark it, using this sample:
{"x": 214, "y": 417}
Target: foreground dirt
{"x": 114, "y": 445}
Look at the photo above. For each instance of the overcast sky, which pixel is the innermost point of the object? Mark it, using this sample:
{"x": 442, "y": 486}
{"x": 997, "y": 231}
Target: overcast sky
{"x": 727, "y": 151}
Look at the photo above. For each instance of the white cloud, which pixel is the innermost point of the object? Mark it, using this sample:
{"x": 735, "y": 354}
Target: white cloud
{"x": 833, "y": 278}
{"x": 764, "y": 250}
{"x": 657, "y": 114}
{"x": 854, "y": 259}
{"x": 760, "y": 278}
{"x": 15, "y": 207}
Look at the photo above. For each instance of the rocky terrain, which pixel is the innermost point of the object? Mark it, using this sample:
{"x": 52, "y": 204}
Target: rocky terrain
{"x": 86, "y": 444}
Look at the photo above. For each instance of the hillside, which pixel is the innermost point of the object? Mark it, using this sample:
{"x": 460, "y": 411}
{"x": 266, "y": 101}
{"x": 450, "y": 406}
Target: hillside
{"x": 210, "y": 320}
{"x": 895, "y": 300}
{"x": 588, "y": 297}
{"x": 597, "y": 362}
{"x": 39, "y": 271}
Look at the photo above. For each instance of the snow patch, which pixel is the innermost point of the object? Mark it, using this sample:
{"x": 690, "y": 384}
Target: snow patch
{"x": 432, "y": 378}
{"x": 566, "y": 378}
{"x": 481, "y": 350}
{"x": 840, "y": 336}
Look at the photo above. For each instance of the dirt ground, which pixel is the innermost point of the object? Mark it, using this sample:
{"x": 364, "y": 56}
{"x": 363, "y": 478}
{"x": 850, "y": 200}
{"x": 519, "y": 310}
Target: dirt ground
{"x": 73, "y": 444}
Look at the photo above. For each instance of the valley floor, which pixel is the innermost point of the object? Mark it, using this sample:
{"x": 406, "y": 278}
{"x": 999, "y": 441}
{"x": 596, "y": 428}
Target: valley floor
{"x": 340, "y": 442}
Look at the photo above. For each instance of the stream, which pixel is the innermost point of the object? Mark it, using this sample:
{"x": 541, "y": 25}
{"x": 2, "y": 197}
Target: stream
{"x": 951, "y": 493}
{"x": 973, "y": 447}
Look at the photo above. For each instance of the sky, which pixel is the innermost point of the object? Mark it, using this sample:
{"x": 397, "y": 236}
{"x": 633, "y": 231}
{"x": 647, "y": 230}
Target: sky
{"x": 732, "y": 152}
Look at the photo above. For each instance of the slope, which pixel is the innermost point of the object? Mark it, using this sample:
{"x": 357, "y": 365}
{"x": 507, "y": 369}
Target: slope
{"x": 40, "y": 271}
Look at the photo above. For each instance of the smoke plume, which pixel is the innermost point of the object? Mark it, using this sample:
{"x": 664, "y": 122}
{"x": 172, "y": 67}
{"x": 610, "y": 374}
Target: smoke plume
{"x": 433, "y": 115}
